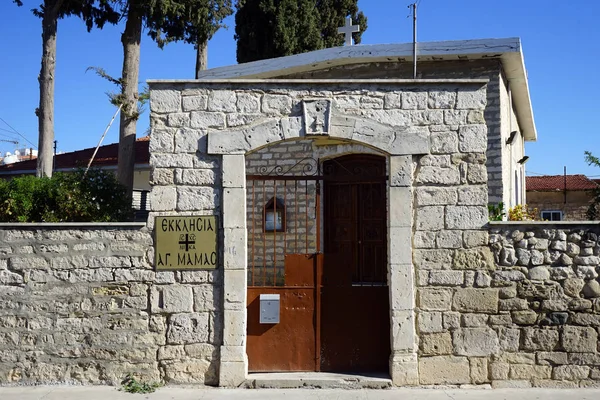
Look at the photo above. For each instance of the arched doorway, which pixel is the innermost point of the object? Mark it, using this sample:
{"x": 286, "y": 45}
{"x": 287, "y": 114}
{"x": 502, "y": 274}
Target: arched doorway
{"x": 332, "y": 289}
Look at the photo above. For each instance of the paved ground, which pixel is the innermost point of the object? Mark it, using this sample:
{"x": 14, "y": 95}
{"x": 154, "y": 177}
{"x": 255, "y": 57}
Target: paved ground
{"x": 190, "y": 393}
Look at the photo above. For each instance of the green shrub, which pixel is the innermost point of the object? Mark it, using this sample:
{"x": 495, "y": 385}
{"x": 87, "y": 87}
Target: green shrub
{"x": 496, "y": 211}
{"x": 132, "y": 385}
{"x": 66, "y": 197}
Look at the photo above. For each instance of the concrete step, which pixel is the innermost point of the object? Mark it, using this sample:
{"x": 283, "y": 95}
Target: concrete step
{"x": 317, "y": 380}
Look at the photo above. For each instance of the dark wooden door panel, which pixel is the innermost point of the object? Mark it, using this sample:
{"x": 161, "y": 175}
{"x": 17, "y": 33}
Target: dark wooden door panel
{"x": 354, "y": 296}
{"x": 355, "y": 334}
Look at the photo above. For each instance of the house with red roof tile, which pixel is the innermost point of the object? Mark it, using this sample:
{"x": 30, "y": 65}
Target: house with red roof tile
{"x": 561, "y": 197}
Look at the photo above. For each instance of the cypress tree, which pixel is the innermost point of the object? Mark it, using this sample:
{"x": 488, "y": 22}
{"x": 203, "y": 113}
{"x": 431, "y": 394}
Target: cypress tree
{"x": 276, "y": 28}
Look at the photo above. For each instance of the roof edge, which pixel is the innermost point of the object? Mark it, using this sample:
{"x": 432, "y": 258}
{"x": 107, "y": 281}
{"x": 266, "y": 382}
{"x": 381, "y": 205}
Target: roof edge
{"x": 508, "y": 50}
{"x": 331, "y": 57}
{"x": 516, "y": 74}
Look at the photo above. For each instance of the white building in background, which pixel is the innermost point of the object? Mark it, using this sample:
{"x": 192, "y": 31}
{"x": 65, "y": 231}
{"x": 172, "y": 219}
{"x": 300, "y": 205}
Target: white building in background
{"x": 18, "y": 155}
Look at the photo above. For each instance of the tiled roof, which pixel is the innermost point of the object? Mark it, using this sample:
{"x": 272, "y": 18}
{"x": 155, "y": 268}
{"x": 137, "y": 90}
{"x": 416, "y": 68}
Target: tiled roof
{"x": 107, "y": 156}
{"x": 550, "y": 183}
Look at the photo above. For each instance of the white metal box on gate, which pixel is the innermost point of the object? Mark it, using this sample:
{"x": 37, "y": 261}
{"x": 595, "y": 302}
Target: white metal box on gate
{"x": 269, "y": 308}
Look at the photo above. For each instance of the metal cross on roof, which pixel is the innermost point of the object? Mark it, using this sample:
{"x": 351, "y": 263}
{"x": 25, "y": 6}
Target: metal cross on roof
{"x": 347, "y": 30}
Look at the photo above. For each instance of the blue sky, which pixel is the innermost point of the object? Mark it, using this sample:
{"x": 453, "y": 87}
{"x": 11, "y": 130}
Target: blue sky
{"x": 561, "y": 44}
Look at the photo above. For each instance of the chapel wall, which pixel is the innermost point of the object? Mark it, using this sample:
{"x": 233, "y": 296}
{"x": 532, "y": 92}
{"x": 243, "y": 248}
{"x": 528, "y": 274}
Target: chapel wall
{"x": 512, "y": 174}
{"x": 445, "y": 192}
{"x": 82, "y": 303}
{"x": 490, "y": 69}
{"x": 437, "y": 333}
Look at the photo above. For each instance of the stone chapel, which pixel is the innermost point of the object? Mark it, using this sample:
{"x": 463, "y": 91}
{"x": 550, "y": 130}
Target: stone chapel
{"x": 338, "y": 183}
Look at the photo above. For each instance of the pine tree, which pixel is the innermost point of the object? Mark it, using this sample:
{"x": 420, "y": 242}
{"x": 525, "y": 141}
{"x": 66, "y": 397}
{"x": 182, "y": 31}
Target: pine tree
{"x": 275, "y": 28}
{"x": 93, "y": 13}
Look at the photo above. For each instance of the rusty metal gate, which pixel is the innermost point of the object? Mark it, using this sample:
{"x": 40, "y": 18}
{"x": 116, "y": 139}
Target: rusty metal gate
{"x": 285, "y": 259}
{"x": 284, "y": 246}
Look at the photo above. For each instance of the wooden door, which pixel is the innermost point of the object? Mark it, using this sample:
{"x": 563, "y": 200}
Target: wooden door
{"x": 355, "y": 328}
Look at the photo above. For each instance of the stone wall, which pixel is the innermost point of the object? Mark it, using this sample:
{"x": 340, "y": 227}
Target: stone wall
{"x": 525, "y": 314}
{"x": 82, "y": 303}
{"x": 490, "y": 69}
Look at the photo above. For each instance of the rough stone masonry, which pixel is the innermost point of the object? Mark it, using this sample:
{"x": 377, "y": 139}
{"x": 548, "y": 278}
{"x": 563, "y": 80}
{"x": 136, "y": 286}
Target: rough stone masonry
{"x": 81, "y": 303}
{"x": 524, "y": 314}
{"x": 433, "y": 135}
{"x": 470, "y": 303}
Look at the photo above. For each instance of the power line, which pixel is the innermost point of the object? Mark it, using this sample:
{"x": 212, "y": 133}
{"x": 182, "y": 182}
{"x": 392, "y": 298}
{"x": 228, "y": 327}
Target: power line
{"x": 12, "y": 136}
{"x": 540, "y": 174}
{"x": 534, "y": 173}
{"x": 18, "y": 133}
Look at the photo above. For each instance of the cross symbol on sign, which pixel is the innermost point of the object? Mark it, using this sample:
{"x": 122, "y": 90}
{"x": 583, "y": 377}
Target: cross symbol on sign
{"x": 187, "y": 242}
{"x": 347, "y": 31}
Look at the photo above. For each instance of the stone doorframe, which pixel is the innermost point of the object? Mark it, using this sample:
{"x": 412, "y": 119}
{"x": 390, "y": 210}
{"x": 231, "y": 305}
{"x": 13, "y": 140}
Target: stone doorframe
{"x": 399, "y": 144}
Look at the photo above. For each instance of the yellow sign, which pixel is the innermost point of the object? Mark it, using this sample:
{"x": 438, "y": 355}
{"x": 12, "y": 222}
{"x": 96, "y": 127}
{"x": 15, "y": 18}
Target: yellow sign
{"x": 185, "y": 243}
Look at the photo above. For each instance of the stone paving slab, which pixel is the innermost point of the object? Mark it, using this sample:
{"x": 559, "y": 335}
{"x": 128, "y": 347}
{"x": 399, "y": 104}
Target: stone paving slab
{"x": 316, "y": 380}
{"x": 202, "y": 393}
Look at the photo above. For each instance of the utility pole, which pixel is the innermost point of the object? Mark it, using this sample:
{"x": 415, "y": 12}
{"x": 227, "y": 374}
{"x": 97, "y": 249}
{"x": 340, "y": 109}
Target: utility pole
{"x": 54, "y": 158}
{"x": 565, "y": 184}
{"x": 414, "y": 13}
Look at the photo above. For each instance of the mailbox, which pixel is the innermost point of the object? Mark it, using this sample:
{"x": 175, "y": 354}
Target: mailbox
{"x": 269, "y": 308}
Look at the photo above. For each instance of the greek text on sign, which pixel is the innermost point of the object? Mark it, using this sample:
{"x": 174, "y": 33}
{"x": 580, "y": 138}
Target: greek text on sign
{"x": 186, "y": 242}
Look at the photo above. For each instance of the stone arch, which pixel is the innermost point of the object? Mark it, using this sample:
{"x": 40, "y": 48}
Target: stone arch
{"x": 392, "y": 140}
{"x": 399, "y": 144}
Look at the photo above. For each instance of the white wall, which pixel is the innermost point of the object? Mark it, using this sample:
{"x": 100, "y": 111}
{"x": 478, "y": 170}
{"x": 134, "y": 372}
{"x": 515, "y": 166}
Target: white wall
{"x": 513, "y": 173}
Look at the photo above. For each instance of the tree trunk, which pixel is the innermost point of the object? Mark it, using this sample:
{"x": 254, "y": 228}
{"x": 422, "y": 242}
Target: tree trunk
{"x": 45, "y": 111}
{"x": 201, "y": 57}
{"x": 131, "y": 39}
